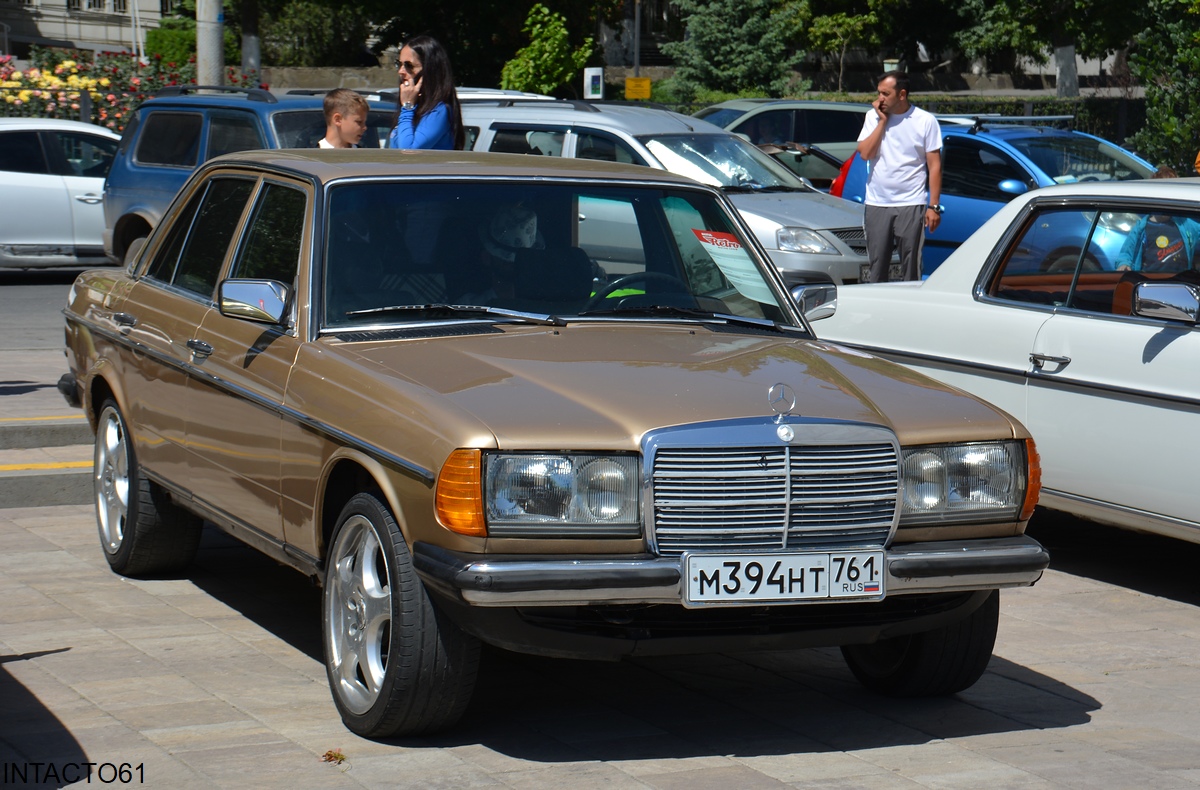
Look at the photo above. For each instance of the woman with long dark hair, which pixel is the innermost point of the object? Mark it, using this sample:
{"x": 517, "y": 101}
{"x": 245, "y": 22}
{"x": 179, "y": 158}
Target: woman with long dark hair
{"x": 429, "y": 114}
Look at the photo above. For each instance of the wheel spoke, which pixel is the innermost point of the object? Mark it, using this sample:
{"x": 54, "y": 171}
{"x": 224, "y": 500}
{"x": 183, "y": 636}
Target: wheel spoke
{"x": 359, "y": 610}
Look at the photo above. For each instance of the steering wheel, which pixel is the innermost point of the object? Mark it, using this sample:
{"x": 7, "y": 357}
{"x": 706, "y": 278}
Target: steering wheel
{"x": 674, "y": 283}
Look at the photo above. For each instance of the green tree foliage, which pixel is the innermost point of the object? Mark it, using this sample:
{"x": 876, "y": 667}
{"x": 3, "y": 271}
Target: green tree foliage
{"x": 836, "y": 33}
{"x": 1165, "y": 58}
{"x": 548, "y": 61}
{"x": 737, "y": 45}
{"x": 309, "y": 33}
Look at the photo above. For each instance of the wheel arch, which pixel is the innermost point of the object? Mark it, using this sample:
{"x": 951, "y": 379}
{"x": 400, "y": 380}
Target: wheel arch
{"x": 129, "y": 227}
{"x": 347, "y": 474}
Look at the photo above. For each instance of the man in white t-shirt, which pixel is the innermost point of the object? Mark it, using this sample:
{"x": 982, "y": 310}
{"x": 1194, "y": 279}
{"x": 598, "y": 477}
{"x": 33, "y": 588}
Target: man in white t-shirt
{"x": 902, "y": 146}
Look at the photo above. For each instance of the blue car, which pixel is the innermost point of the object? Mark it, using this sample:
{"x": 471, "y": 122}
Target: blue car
{"x": 987, "y": 162}
{"x": 172, "y": 134}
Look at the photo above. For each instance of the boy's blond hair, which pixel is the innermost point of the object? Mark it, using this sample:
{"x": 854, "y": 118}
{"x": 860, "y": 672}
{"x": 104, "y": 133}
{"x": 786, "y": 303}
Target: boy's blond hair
{"x": 344, "y": 102}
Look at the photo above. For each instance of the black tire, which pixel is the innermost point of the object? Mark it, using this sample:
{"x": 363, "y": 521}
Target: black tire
{"x": 142, "y": 532}
{"x": 934, "y": 663}
{"x": 397, "y": 665}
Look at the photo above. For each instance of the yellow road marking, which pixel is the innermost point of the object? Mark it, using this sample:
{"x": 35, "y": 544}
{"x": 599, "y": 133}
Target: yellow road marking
{"x": 35, "y": 419}
{"x": 51, "y": 465}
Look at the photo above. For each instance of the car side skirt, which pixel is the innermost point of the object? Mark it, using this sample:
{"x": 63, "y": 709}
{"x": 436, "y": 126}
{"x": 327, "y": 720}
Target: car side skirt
{"x": 1119, "y": 515}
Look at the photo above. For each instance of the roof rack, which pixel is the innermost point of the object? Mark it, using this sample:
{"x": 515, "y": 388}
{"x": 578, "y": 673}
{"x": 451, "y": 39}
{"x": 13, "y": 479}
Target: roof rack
{"x": 372, "y": 94}
{"x": 253, "y": 94}
{"x": 979, "y": 121}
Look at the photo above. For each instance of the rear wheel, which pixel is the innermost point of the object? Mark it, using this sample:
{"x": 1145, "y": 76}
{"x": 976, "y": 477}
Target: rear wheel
{"x": 396, "y": 664}
{"x": 934, "y": 663}
{"x": 141, "y": 530}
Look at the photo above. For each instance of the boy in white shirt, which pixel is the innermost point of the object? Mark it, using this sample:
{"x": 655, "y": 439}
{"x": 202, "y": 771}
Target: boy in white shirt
{"x": 345, "y": 119}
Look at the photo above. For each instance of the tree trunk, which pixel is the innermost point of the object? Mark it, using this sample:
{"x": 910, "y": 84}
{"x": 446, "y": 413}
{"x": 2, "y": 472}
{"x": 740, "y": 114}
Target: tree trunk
{"x": 1067, "y": 79}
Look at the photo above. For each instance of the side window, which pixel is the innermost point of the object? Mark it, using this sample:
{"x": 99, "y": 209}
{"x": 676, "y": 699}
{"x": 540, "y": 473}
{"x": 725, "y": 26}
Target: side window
{"x": 21, "y": 152}
{"x": 274, "y": 236}
{"x": 971, "y": 170}
{"x": 213, "y": 228}
{"x": 1066, "y": 258}
{"x": 230, "y": 133}
{"x": 768, "y": 127}
{"x": 528, "y": 141}
{"x": 162, "y": 268}
{"x": 471, "y": 133}
{"x": 170, "y": 138}
{"x": 605, "y": 149}
{"x": 87, "y": 154}
{"x": 828, "y": 126}
{"x": 302, "y": 129}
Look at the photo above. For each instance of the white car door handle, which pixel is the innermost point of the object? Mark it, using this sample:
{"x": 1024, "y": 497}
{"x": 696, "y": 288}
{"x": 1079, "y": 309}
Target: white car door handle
{"x": 91, "y": 198}
{"x": 1039, "y": 360}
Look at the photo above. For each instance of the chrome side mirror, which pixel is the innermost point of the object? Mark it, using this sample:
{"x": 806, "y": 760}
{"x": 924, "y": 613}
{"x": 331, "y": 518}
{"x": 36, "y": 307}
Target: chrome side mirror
{"x": 816, "y": 300}
{"x": 265, "y": 301}
{"x": 1167, "y": 301}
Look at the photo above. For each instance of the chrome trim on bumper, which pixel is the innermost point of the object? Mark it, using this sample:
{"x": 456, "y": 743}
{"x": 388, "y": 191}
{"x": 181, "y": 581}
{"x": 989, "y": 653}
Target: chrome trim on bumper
{"x": 946, "y": 566}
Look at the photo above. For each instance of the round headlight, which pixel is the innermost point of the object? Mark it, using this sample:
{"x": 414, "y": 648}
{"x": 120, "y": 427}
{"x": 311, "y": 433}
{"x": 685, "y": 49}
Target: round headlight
{"x": 605, "y": 486}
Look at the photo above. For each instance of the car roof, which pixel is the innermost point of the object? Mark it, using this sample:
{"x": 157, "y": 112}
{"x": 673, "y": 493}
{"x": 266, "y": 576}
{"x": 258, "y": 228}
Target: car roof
{"x": 57, "y": 123}
{"x": 254, "y": 99}
{"x": 1136, "y": 189}
{"x": 629, "y": 118}
{"x": 786, "y": 104}
{"x": 326, "y": 165}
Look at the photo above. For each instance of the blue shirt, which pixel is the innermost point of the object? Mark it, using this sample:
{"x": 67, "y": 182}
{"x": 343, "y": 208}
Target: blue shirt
{"x": 1158, "y": 247}
{"x": 433, "y": 132}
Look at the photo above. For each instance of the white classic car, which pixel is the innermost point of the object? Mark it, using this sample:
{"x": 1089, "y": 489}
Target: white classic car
{"x": 1074, "y": 309}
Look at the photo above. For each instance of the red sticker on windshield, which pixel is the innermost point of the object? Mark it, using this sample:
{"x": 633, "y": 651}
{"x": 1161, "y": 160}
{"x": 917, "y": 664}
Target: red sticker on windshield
{"x": 718, "y": 239}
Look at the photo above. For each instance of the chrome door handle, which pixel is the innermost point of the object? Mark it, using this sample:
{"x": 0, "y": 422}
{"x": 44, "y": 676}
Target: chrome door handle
{"x": 124, "y": 319}
{"x": 1039, "y": 360}
{"x": 199, "y": 347}
{"x": 89, "y": 198}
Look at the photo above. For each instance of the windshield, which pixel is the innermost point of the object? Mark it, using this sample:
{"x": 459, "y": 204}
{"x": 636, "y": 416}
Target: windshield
{"x": 721, "y": 116}
{"x": 398, "y": 252}
{"x": 1068, "y": 159}
{"x": 721, "y": 160}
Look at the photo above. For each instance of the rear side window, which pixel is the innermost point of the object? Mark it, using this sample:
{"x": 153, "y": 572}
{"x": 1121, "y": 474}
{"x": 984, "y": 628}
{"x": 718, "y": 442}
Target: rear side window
{"x": 230, "y": 133}
{"x": 192, "y": 257}
{"x": 21, "y": 152}
{"x": 170, "y": 138}
{"x": 605, "y": 149}
{"x": 528, "y": 141}
{"x": 305, "y": 128}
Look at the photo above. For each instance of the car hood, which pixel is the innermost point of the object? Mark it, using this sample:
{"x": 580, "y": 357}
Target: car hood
{"x": 603, "y": 386}
{"x": 814, "y": 210}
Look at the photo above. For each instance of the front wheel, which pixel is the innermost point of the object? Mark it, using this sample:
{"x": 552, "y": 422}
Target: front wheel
{"x": 396, "y": 664}
{"x": 934, "y": 663}
{"x": 142, "y": 531}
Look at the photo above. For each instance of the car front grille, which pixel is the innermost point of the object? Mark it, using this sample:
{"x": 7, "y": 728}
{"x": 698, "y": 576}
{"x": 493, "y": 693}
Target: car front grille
{"x": 854, "y": 238}
{"x": 767, "y": 498}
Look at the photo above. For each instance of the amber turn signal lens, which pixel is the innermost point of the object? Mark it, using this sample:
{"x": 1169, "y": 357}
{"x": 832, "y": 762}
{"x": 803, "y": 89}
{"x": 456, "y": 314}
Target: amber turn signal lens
{"x": 1034, "y": 489}
{"x": 459, "y": 495}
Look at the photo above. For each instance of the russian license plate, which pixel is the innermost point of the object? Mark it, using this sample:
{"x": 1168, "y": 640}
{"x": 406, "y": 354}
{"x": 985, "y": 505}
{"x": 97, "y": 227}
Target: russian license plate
{"x": 782, "y": 578}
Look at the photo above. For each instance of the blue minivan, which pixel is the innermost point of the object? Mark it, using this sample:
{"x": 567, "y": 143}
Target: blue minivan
{"x": 988, "y": 161}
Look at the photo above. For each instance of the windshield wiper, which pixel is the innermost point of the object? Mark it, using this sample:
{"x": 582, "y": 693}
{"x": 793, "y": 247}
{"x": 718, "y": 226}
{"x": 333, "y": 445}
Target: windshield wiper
{"x": 439, "y": 310}
{"x": 670, "y": 311}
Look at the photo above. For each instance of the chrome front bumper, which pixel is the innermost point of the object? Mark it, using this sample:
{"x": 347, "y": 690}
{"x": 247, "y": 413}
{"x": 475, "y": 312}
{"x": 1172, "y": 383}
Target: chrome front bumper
{"x": 508, "y": 580}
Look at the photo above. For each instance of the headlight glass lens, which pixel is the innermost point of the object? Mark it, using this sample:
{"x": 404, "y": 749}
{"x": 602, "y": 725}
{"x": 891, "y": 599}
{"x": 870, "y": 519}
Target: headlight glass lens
{"x": 985, "y": 481}
{"x": 552, "y": 495}
{"x": 804, "y": 240}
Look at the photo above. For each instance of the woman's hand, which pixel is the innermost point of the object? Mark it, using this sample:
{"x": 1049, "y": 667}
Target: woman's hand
{"x": 410, "y": 90}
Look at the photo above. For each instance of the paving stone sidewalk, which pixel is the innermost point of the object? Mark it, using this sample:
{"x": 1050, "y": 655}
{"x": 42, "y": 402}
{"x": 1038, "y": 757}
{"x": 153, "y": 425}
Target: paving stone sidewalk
{"x": 215, "y": 680}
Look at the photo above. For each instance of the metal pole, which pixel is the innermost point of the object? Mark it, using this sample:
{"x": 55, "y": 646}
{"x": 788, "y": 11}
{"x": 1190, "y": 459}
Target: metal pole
{"x": 210, "y": 54}
{"x": 637, "y": 38}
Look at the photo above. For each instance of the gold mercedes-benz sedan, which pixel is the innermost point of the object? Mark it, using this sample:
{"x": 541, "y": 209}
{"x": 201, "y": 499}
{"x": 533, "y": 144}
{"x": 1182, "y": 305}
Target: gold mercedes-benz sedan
{"x": 560, "y": 407}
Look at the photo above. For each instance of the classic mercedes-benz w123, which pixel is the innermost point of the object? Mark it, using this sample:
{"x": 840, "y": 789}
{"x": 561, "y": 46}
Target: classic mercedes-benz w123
{"x": 560, "y": 407}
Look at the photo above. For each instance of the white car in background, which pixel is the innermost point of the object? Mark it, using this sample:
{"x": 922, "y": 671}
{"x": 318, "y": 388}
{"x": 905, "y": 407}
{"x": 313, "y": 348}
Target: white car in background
{"x": 1037, "y": 313}
{"x": 52, "y": 179}
{"x": 809, "y": 235}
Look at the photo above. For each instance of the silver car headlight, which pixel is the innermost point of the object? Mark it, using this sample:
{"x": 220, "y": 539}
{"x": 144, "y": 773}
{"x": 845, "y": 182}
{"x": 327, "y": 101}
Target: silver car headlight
{"x": 804, "y": 240}
{"x": 984, "y": 481}
{"x": 562, "y": 495}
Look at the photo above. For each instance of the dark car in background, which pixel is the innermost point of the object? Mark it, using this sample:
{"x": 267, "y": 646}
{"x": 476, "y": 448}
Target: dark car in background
{"x": 171, "y": 134}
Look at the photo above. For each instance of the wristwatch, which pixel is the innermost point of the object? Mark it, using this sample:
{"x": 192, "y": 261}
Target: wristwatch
{"x": 938, "y": 207}
{"x": 408, "y": 105}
